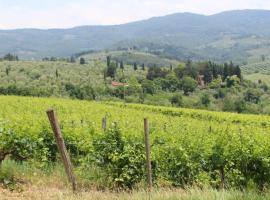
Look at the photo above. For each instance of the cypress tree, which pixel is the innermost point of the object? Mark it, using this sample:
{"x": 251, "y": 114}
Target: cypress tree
{"x": 215, "y": 71}
{"x": 231, "y": 69}
{"x": 56, "y": 73}
{"x": 108, "y": 61}
{"x": 238, "y": 72}
{"x": 135, "y": 66}
{"x": 122, "y": 65}
{"x": 225, "y": 71}
{"x": 208, "y": 76}
{"x": 143, "y": 67}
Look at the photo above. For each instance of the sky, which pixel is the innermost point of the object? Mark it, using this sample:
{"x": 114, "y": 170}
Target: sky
{"x": 69, "y": 13}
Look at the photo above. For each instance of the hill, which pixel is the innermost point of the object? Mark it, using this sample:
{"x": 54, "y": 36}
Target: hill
{"x": 233, "y": 35}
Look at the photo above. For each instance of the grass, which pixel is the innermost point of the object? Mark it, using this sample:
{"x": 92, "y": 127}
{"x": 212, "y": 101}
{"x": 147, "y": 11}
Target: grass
{"x": 51, "y": 193}
{"x": 265, "y": 78}
{"x": 50, "y": 183}
{"x": 129, "y": 57}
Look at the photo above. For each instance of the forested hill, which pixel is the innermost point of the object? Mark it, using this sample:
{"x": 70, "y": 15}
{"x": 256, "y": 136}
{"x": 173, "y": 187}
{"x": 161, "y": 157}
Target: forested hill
{"x": 232, "y": 35}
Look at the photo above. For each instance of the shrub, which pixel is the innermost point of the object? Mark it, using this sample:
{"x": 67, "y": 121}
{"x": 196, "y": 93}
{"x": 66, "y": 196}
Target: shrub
{"x": 177, "y": 100}
{"x": 123, "y": 160}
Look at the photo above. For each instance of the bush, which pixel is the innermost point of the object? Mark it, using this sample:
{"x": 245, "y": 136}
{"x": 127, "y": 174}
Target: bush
{"x": 188, "y": 85}
{"x": 123, "y": 160}
{"x": 177, "y": 100}
{"x": 205, "y": 99}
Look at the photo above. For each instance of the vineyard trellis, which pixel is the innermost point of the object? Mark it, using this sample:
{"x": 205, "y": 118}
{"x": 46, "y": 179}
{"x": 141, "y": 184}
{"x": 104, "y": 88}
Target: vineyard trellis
{"x": 188, "y": 147}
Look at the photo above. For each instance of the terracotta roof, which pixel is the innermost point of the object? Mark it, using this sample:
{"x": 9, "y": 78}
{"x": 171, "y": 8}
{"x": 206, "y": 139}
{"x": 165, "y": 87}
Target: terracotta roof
{"x": 117, "y": 84}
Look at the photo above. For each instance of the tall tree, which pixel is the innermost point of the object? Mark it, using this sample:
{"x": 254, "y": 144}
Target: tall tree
{"x": 238, "y": 72}
{"x": 56, "y": 73}
{"x": 122, "y": 65}
{"x": 72, "y": 59}
{"x": 214, "y": 70}
{"x": 135, "y": 66}
{"x": 208, "y": 75}
{"x": 143, "y": 67}
{"x": 225, "y": 71}
{"x": 108, "y": 61}
{"x": 263, "y": 58}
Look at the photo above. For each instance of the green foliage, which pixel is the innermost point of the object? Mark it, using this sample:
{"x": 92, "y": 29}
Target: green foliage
{"x": 205, "y": 99}
{"x": 7, "y": 175}
{"x": 123, "y": 160}
{"x": 148, "y": 87}
{"x": 11, "y": 57}
{"x": 202, "y": 148}
{"x": 111, "y": 70}
{"x": 156, "y": 72}
{"x": 232, "y": 81}
{"x": 188, "y": 85}
{"x": 82, "y": 61}
{"x": 177, "y": 100}
{"x": 252, "y": 95}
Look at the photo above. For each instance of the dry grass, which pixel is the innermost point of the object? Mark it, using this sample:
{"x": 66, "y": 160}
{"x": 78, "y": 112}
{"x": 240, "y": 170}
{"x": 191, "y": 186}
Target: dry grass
{"x": 39, "y": 185}
{"x": 31, "y": 192}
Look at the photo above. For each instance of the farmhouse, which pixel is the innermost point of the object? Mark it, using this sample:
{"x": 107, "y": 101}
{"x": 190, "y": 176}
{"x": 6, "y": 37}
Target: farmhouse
{"x": 118, "y": 84}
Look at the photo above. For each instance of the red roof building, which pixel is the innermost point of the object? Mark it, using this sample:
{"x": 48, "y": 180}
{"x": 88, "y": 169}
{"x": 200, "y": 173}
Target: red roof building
{"x": 118, "y": 84}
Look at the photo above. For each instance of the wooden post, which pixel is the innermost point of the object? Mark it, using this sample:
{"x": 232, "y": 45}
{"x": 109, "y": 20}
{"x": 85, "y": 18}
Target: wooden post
{"x": 148, "y": 154}
{"x": 104, "y": 123}
{"x": 62, "y": 148}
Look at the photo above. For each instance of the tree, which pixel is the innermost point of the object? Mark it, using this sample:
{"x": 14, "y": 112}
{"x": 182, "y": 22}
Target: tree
{"x": 263, "y": 58}
{"x": 82, "y": 61}
{"x": 53, "y": 59}
{"x": 188, "y": 85}
{"x": 56, "y": 73}
{"x": 238, "y": 72}
{"x": 231, "y": 70}
{"x": 143, "y": 67}
{"x": 72, "y": 59}
{"x": 179, "y": 71}
{"x": 170, "y": 82}
{"x": 111, "y": 70}
{"x": 135, "y": 66}
{"x": 171, "y": 67}
{"x": 108, "y": 61}
{"x": 11, "y": 57}
{"x": 8, "y": 68}
{"x": 232, "y": 81}
{"x": 205, "y": 99}
{"x": 252, "y": 95}
{"x": 149, "y": 87}
{"x": 122, "y": 65}
{"x": 177, "y": 100}
{"x": 156, "y": 72}
{"x": 215, "y": 71}
{"x": 225, "y": 71}
{"x": 208, "y": 75}
{"x": 240, "y": 105}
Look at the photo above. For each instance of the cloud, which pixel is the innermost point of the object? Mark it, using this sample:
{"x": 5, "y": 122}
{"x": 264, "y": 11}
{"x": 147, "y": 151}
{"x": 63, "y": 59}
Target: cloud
{"x": 69, "y": 13}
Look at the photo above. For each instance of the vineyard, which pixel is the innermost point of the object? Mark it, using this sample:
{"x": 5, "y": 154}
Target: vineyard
{"x": 188, "y": 147}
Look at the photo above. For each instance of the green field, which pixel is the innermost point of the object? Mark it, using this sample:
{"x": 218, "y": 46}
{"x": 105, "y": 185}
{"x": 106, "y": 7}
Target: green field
{"x": 189, "y": 147}
{"x": 258, "y": 76}
{"x": 257, "y": 67}
{"x": 132, "y": 56}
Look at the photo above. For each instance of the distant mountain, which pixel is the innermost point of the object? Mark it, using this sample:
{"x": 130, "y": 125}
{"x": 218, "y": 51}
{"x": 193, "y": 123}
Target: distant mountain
{"x": 241, "y": 36}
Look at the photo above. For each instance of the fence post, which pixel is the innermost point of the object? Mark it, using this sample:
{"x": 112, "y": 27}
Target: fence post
{"x": 148, "y": 154}
{"x": 62, "y": 147}
{"x": 104, "y": 123}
